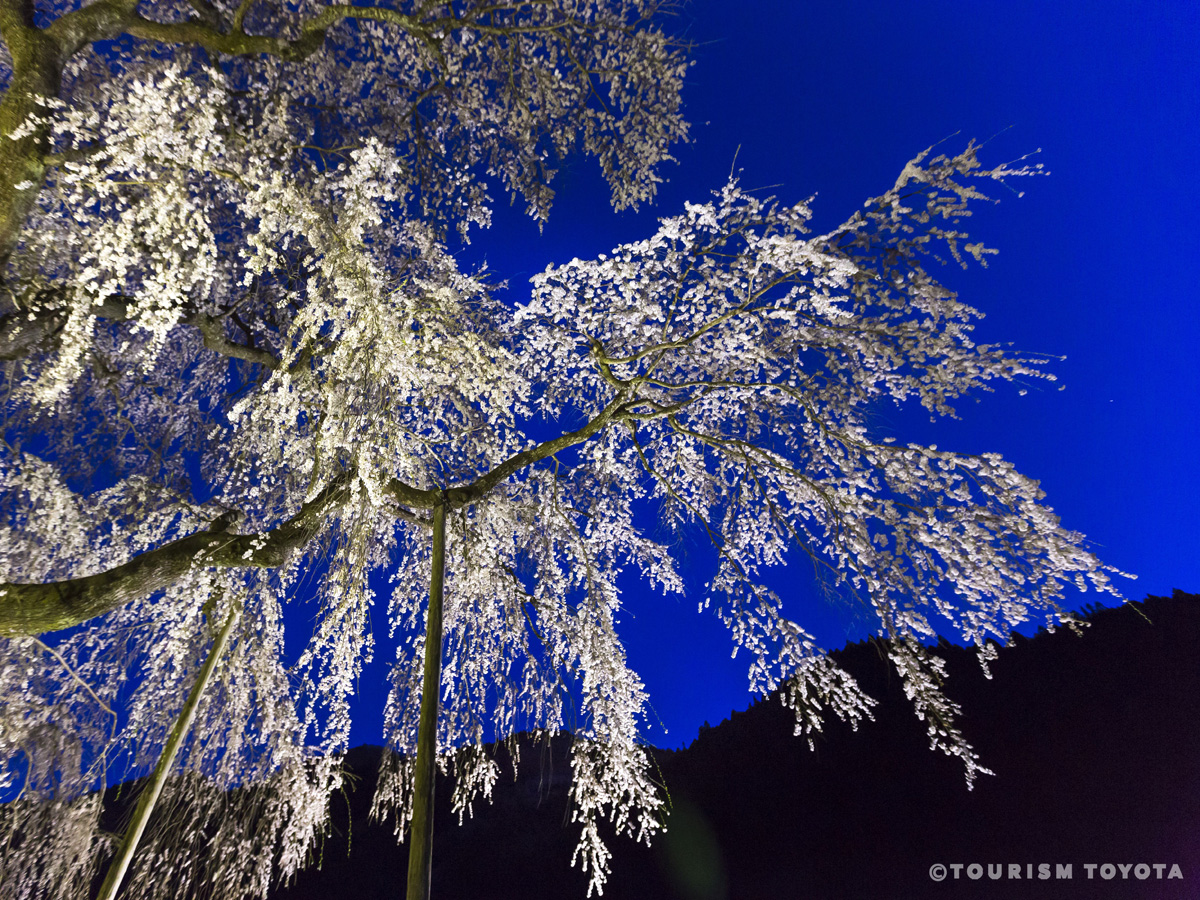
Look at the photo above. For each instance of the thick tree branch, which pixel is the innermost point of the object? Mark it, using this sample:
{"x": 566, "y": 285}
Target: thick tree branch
{"x": 483, "y": 485}
{"x": 232, "y": 44}
{"x": 99, "y": 21}
{"x": 215, "y": 340}
{"x": 39, "y": 608}
{"x": 24, "y": 332}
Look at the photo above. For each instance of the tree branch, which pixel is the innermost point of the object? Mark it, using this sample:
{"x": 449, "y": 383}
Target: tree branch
{"x": 239, "y": 15}
{"x": 39, "y": 608}
{"x": 22, "y": 332}
{"x": 481, "y": 486}
{"x": 234, "y": 44}
{"x": 407, "y": 495}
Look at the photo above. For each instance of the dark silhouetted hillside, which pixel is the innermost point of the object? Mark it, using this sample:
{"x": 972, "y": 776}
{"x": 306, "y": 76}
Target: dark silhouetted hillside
{"x": 1095, "y": 741}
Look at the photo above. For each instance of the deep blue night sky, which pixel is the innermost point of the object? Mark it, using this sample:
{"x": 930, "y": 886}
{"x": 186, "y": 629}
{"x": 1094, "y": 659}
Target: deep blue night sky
{"x": 1095, "y": 261}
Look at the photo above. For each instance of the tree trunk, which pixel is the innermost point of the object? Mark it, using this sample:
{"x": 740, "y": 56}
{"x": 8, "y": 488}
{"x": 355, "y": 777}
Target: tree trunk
{"x": 152, "y": 790}
{"x": 36, "y": 75}
{"x": 420, "y": 848}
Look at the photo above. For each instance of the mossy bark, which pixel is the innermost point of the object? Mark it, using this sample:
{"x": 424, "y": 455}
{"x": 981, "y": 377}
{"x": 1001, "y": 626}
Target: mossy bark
{"x": 52, "y": 606}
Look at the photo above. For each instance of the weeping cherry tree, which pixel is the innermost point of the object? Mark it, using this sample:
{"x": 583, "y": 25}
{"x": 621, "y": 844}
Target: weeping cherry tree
{"x": 243, "y": 369}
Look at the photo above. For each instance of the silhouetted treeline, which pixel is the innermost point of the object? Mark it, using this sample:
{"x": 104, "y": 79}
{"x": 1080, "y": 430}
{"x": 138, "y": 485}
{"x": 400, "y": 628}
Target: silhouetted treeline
{"x": 1095, "y": 742}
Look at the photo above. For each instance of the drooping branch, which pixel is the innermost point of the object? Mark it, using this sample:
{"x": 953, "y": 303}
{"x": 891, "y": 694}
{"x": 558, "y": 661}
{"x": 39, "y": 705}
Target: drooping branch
{"x": 479, "y": 21}
{"x": 38, "y": 56}
{"x": 52, "y": 606}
